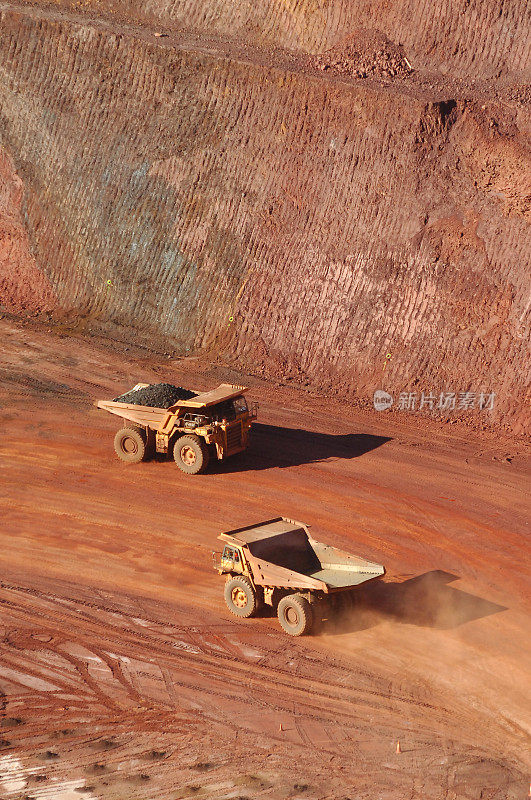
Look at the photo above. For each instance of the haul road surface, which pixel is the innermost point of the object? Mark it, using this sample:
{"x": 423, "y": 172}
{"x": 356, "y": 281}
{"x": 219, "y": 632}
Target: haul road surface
{"x": 122, "y": 673}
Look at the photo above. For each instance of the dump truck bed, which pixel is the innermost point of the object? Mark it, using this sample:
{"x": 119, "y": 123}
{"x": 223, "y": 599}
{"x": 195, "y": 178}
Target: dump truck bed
{"x": 282, "y": 553}
{"x": 140, "y": 415}
{"x": 152, "y": 416}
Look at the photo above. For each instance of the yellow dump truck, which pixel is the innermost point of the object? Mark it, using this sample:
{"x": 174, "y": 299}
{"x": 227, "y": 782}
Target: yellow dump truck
{"x": 207, "y": 425}
{"x": 277, "y": 563}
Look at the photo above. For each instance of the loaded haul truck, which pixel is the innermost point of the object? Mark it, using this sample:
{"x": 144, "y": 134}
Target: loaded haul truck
{"x": 193, "y": 430}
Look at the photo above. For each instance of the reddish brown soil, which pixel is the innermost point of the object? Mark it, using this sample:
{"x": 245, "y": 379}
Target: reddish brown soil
{"x": 125, "y": 677}
{"x": 23, "y": 286}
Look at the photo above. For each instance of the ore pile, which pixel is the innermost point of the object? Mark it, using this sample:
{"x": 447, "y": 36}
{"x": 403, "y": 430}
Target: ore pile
{"x": 158, "y": 395}
{"x": 367, "y": 54}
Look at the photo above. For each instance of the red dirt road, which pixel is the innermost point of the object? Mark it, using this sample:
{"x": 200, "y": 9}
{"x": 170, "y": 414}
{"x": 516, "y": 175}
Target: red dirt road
{"x": 122, "y": 672}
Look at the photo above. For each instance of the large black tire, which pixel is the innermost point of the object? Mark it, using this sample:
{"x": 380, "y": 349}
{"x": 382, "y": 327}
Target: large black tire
{"x": 240, "y": 596}
{"x": 190, "y": 454}
{"x": 130, "y": 445}
{"x": 295, "y": 615}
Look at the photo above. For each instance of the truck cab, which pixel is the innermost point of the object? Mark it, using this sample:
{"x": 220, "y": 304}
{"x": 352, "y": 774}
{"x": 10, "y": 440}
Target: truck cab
{"x": 223, "y": 425}
{"x": 231, "y": 560}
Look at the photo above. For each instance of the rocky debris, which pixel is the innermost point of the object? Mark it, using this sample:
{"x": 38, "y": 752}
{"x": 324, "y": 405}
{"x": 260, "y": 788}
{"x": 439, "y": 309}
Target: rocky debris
{"x": 367, "y": 53}
{"x": 158, "y": 395}
{"x": 520, "y": 94}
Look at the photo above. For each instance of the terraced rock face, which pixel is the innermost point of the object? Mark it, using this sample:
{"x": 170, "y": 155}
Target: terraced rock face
{"x": 478, "y": 39}
{"x": 23, "y": 286}
{"x": 306, "y": 223}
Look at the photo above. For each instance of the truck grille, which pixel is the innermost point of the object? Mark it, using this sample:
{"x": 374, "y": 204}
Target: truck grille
{"x": 234, "y": 437}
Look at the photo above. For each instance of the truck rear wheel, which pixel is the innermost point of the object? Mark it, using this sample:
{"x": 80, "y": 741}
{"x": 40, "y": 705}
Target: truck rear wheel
{"x": 130, "y": 445}
{"x": 240, "y": 596}
{"x": 295, "y": 615}
{"x": 190, "y": 454}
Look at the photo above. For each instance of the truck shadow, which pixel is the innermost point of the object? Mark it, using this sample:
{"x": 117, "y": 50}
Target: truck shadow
{"x": 276, "y": 446}
{"x": 426, "y": 601}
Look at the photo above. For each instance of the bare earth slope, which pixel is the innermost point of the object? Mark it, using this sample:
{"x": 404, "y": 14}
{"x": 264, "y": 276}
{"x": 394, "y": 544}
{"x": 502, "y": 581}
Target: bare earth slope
{"x": 219, "y": 193}
{"x": 472, "y": 39}
{"x": 124, "y": 677}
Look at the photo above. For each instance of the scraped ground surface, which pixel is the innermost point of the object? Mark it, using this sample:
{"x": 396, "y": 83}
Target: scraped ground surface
{"x": 123, "y": 675}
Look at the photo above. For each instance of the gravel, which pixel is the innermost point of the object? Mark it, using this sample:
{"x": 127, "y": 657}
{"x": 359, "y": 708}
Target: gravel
{"x": 368, "y": 53}
{"x": 158, "y": 395}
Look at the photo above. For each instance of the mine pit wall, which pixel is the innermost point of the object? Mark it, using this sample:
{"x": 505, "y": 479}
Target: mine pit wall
{"x": 164, "y": 191}
{"x": 471, "y": 39}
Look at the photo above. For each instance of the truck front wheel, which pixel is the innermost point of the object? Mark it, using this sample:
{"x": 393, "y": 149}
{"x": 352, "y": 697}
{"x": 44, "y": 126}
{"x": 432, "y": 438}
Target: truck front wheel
{"x": 240, "y": 596}
{"x": 190, "y": 454}
{"x": 295, "y": 615}
{"x": 130, "y": 445}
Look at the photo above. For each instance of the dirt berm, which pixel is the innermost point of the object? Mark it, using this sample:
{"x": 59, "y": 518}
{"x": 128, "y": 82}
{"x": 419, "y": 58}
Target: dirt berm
{"x": 313, "y": 189}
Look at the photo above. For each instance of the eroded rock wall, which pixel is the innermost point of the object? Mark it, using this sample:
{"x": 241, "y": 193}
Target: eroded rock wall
{"x": 476, "y": 39}
{"x": 23, "y": 285}
{"x": 167, "y": 190}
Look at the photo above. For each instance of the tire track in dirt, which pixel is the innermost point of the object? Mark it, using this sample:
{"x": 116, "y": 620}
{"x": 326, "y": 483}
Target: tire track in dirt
{"x": 210, "y": 691}
{"x": 324, "y": 703}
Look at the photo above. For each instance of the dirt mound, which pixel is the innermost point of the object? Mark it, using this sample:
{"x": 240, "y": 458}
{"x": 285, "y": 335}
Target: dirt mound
{"x": 158, "y": 395}
{"x": 364, "y": 54}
